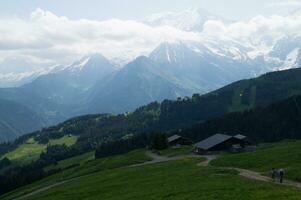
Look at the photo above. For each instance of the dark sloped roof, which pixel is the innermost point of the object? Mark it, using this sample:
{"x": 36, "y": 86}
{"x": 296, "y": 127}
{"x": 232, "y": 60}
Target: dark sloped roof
{"x": 240, "y": 137}
{"x": 212, "y": 141}
{"x": 173, "y": 138}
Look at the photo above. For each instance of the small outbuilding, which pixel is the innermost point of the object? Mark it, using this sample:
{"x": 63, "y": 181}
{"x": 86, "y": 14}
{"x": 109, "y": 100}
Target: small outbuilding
{"x": 222, "y": 142}
{"x": 177, "y": 140}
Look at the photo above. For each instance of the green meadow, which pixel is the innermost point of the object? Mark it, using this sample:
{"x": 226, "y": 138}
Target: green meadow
{"x": 286, "y": 154}
{"x": 31, "y": 149}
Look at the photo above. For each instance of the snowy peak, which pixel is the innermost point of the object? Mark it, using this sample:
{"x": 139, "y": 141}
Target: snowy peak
{"x": 285, "y": 46}
{"x": 188, "y": 20}
{"x": 16, "y": 71}
{"x": 292, "y": 60}
{"x": 179, "y": 53}
{"x": 79, "y": 65}
{"x": 169, "y": 52}
{"x": 91, "y": 62}
{"x": 286, "y": 53}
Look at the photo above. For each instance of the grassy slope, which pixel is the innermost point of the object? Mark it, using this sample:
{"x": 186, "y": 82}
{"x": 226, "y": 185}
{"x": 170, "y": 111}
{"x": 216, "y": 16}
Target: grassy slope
{"x": 176, "y": 151}
{"x": 85, "y": 168}
{"x": 174, "y": 180}
{"x": 108, "y": 179}
{"x": 74, "y": 161}
{"x": 285, "y": 155}
{"x": 31, "y": 149}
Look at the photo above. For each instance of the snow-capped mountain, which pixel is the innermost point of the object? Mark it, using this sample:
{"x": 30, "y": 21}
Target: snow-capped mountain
{"x": 87, "y": 71}
{"x": 187, "y": 20}
{"x": 285, "y": 54}
{"x": 205, "y": 66}
{"x": 139, "y": 82}
{"x": 67, "y": 85}
{"x": 94, "y": 85}
{"x": 15, "y": 72}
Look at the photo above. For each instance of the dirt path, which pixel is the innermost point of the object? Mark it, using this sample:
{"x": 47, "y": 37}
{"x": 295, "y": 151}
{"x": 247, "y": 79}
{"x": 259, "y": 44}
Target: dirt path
{"x": 257, "y": 176}
{"x": 43, "y": 189}
{"x": 249, "y": 174}
{"x": 158, "y": 159}
{"x": 209, "y": 158}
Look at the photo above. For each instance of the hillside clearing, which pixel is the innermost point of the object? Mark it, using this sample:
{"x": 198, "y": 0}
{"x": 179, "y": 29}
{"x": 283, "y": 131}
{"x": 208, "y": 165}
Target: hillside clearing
{"x": 31, "y": 149}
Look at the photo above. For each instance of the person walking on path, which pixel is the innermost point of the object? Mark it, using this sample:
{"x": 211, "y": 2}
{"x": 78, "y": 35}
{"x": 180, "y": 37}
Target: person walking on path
{"x": 281, "y": 174}
{"x": 273, "y": 174}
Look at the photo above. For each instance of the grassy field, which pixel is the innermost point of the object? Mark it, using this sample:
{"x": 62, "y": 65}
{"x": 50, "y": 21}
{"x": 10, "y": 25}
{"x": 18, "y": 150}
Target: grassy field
{"x": 175, "y": 180}
{"x": 74, "y": 161}
{"x": 32, "y": 149}
{"x": 171, "y": 152}
{"x": 112, "y": 179}
{"x": 84, "y": 168}
{"x": 285, "y": 155}
{"x": 131, "y": 158}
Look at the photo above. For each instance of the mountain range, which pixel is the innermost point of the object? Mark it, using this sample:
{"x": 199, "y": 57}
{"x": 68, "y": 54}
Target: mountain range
{"x": 245, "y": 98}
{"x": 94, "y": 84}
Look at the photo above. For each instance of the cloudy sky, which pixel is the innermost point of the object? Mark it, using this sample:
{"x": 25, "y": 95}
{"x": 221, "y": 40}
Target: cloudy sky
{"x": 60, "y": 31}
{"x": 135, "y": 9}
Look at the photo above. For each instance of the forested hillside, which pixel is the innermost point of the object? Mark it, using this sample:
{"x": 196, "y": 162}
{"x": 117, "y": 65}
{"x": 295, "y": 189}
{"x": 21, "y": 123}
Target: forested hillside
{"x": 278, "y": 121}
{"x": 239, "y": 96}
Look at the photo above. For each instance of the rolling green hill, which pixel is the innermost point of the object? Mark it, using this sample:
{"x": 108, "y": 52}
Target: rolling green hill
{"x": 79, "y": 166}
{"x": 114, "y": 178}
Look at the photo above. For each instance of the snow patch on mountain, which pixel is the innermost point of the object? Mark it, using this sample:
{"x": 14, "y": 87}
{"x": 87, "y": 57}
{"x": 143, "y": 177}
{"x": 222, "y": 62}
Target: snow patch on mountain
{"x": 17, "y": 71}
{"x": 291, "y": 60}
{"x": 79, "y": 65}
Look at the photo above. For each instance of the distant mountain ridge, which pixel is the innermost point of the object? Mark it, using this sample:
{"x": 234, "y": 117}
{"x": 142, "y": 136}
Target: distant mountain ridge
{"x": 183, "y": 112}
{"x": 95, "y": 85}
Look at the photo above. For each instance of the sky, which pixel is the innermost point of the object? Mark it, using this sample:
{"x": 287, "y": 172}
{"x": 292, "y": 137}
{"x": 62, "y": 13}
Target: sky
{"x": 51, "y": 32}
{"x": 137, "y": 9}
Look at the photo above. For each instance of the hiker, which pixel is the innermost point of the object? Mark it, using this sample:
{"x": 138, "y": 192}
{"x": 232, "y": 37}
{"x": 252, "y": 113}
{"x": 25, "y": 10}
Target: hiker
{"x": 281, "y": 174}
{"x": 273, "y": 173}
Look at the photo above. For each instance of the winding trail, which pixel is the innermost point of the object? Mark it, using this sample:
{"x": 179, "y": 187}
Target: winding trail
{"x": 259, "y": 177}
{"x": 159, "y": 159}
{"x": 43, "y": 189}
{"x": 249, "y": 174}
{"x": 209, "y": 158}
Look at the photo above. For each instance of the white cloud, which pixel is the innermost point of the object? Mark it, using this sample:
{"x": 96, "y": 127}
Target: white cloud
{"x": 59, "y": 39}
{"x": 47, "y": 38}
{"x": 257, "y": 31}
{"x": 285, "y": 3}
